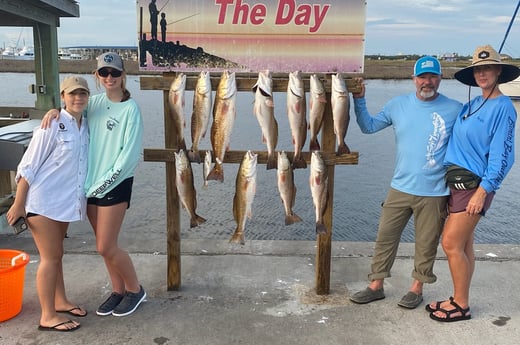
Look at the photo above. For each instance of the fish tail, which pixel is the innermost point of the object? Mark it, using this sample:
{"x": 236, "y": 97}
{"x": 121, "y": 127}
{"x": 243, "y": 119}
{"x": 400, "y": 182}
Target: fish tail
{"x": 182, "y": 144}
{"x": 238, "y": 237}
{"x": 321, "y": 228}
{"x": 216, "y": 173}
{"x": 194, "y": 156}
{"x": 196, "y": 220}
{"x": 314, "y": 145}
{"x": 292, "y": 218}
{"x": 343, "y": 149}
{"x": 272, "y": 162}
{"x": 299, "y": 163}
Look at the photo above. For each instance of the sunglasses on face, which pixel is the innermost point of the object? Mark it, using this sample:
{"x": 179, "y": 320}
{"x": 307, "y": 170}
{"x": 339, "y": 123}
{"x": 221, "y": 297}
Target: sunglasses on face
{"x": 104, "y": 72}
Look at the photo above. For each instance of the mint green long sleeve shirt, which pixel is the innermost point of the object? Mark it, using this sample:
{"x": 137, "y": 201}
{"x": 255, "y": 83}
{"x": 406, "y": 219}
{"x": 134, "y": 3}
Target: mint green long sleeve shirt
{"x": 116, "y": 135}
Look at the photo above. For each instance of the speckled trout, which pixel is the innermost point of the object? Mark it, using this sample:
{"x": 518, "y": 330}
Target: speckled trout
{"x": 340, "y": 103}
{"x": 316, "y": 111}
{"x": 264, "y": 111}
{"x": 297, "y": 114}
{"x": 287, "y": 188}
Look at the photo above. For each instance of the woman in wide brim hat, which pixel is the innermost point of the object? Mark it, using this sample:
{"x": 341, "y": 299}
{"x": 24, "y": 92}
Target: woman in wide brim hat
{"x": 486, "y": 55}
{"x": 481, "y": 152}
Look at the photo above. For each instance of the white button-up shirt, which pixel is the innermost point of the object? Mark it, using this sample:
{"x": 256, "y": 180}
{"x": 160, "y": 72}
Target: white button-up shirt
{"x": 55, "y": 167}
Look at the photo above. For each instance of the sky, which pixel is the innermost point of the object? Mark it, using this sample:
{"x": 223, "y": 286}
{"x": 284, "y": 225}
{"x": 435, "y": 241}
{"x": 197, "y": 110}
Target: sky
{"x": 392, "y": 27}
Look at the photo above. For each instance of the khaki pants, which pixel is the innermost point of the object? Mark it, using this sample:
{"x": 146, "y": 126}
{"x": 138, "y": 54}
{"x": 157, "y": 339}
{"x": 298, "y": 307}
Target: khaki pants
{"x": 429, "y": 216}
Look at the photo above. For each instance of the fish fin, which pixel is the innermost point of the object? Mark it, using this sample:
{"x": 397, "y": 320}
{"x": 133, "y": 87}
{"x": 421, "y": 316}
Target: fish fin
{"x": 320, "y": 228}
{"x": 194, "y": 156}
{"x": 343, "y": 149}
{"x": 238, "y": 237}
{"x": 272, "y": 162}
{"x": 292, "y": 218}
{"x": 314, "y": 145}
{"x": 196, "y": 220}
{"x": 216, "y": 173}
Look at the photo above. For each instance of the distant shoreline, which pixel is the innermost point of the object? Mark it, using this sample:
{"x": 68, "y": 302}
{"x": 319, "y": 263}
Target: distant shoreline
{"x": 374, "y": 69}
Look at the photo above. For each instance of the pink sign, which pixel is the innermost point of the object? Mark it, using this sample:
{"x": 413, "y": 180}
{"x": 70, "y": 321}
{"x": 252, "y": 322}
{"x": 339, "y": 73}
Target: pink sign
{"x": 249, "y": 36}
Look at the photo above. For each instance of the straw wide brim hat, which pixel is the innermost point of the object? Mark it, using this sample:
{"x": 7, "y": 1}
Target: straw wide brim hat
{"x": 486, "y": 55}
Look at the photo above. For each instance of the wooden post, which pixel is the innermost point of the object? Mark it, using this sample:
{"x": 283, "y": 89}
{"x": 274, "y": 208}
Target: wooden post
{"x": 173, "y": 226}
{"x": 324, "y": 241}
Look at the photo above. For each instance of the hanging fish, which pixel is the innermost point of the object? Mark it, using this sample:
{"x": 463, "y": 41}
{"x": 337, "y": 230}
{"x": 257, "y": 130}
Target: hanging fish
{"x": 224, "y": 113}
{"x": 297, "y": 114}
{"x": 316, "y": 111}
{"x": 185, "y": 187}
{"x": 318, "y": 181}
{"x": 202, "y": 101}
{"x": 206, "y": 167}
{"x": 287, "y": 188}
{"x": 245, "y": 189}
{"x": 340, "y": 103}
{"x": 264, "y": 112}
{"x": 176, "y": 103}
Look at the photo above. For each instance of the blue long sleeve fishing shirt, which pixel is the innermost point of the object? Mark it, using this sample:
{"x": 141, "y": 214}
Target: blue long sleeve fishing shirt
{"x": 484, "y": 142}
{"x": 422, "y": 130}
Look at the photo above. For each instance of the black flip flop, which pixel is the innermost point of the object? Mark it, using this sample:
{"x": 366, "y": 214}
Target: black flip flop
{"x": 56, "y": 329}
{"x": 70, "y": 311}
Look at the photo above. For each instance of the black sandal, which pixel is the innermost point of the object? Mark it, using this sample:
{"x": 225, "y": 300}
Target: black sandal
{"x": 437, "y": 307}
{"x": 458, "y": 309}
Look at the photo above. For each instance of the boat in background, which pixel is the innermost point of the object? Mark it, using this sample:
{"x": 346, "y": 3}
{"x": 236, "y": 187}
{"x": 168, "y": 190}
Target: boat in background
{"x": 511, "y": 89}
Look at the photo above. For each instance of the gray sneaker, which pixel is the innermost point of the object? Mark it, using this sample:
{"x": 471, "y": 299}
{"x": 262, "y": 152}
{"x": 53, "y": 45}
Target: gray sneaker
{"x": 129, "y": 303}
{"x": 107, "y": 307}
{"x": 368, "y": 295}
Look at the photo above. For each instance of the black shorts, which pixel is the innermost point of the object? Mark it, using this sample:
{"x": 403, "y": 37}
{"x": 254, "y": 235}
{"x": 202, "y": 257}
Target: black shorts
{"x": 121, "y": 193}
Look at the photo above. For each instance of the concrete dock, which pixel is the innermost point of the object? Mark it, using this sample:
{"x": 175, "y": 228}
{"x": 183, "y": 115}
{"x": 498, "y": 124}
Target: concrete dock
{"x": 263, "y": 293}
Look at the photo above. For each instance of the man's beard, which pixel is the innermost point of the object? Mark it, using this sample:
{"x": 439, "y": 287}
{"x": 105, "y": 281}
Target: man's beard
{"x": 427, "y": 94}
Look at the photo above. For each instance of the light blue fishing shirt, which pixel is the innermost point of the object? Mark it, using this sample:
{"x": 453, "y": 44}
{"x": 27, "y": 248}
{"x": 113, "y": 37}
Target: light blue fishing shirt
{"x": 116, "y": 135}
{"x": 485, "y": 142}
{"x": 422, "y": 130}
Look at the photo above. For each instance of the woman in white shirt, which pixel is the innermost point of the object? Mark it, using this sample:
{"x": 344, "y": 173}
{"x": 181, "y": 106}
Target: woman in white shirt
{"x": 50, "y": 181}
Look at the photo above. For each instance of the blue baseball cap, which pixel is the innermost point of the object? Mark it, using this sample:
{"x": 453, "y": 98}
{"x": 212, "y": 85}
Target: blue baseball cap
{"x": 427, "y": 64}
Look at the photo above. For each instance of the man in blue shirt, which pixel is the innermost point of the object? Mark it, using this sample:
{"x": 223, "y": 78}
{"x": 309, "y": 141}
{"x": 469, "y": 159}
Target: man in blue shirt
{"x": 422, "y": 122}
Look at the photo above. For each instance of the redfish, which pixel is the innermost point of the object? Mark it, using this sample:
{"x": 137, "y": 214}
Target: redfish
{"x": 245, "y": 189}
{"x": 224, "y": 113}
{"x": 176, "y": 102}
{"x": 185, "y": 187}
{"x": 202, "y": 102}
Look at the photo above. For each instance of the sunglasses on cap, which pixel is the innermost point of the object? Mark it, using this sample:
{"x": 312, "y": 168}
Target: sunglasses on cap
{"x": 104, "y": 72}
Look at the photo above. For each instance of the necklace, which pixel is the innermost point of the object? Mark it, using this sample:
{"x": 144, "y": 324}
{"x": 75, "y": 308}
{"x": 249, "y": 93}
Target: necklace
{"x": 480, "y": 106}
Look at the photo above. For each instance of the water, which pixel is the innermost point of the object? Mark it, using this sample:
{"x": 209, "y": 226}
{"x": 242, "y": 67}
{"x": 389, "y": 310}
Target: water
{"x": 358, "y": 191}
